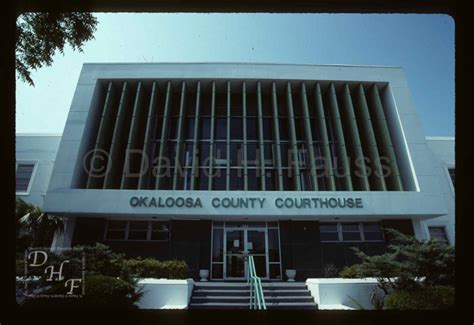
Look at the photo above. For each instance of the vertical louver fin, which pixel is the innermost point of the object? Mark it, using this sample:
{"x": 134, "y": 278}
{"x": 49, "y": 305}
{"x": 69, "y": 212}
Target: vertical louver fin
{"x": 211, "y": 149}
{"x": 309, "y": 137}
{"x": 197, "y": 125}
{"x": 99, "y": 156}
{"x": 117, "y": 148}
{"x": 147, "y": 157}
{"x": 261, "y": 156}
{"x": 276, "y": 130}
{"x": 134, "y": 149}
{"x": 178, "y": 171}
{"x": 163, "y": 137}
{"x": 387, "y": 151}
{"x": 294, "y": 146}
{"x": 360, "y": 173}
{"x": 228, "y": 106}
{"x": 244, "y": 134}
{"x": 368, "y": 140}
{"x": 342, "y": 163}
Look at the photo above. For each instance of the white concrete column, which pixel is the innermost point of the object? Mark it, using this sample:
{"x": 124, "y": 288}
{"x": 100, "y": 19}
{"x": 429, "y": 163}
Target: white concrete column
{"x": 418, "y": 228}
{"x": 64, "y": 239}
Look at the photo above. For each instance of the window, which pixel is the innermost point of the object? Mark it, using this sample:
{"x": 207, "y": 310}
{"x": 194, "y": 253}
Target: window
{"x": 160, "y": 231}
{"x": 116, "y": 230}
{"x": 452, "y": 173}
{"x": 137, "y": 230}
{"x": 329, "y": 232}
{"x": 438, "y": 233}
{"x": 24, "y": 173}
{"x": 350, "y": 231}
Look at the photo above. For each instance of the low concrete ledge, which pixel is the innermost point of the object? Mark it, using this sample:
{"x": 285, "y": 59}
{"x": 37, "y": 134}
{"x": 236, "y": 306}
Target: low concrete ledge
{"x": 335, "y": 293}
{"x": 165, "y": 293}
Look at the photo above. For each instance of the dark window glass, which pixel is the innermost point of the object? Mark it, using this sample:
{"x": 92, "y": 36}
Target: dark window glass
{"x": 438, "y": 233}
{"x": 283, "y": 128}
{"x": 23, "y": 176}
{"x": 115, "y": 234}
{"x": 328, "y": 232}
{"x": 202, "y": 179}
{"x": 217, "y": 271}
{"x": 305, "y": 180}
{"x": 220, "y": 152}
{"x": 187, "y": 179}
{"x": 221, "y": 128}
{"x": 189, "y": 128}
{"x": 236, "y": 128}
{"x": 218, "y": 245}
{"x": 300, "y": 129}
{"x": 285, "y": 154}
{"x": 166, "y": 178}
{"x": 252, "y": 128}
{"x": 138, "y": 230}
{"x": 268, "y": 129}
{"x": 270, "y": 180}
{"x": 273, "y": 245}
{"x": 275, "y": 271}
{"x": 253, "y": 182}
{"x": 350, "y": 231}
{"x": 452, "y": 173}
{"x": 205, "y": 127}
{"x": 252, "y": 154}
{"x": 236, "y": 154}
{"x": 268, "y": 153}
{"x": 236, "y": 179}
{"x": 160, "y": 231}
{"x": 329, "y": 236}
{"x": 219, "y": 179}
{"x": 204, "y": 153}
{"x": 173, "y": 127}
{"x": 328, "y": 227}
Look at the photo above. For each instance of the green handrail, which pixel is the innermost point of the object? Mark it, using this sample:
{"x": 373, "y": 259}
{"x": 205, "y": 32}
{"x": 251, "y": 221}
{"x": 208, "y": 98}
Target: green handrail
{"x": 257, "y": 299}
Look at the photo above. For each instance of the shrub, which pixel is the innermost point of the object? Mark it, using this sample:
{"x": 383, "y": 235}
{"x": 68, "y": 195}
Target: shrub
{"x": 426, "y": 298}
{"x": 152, "y": 268}
{"x": 101, "y": 292}
{"x": 330, "y": 271}
{"x": 100, "y": 259}
{"x": 350, "y": 272}
{"x": 406, "y": 261}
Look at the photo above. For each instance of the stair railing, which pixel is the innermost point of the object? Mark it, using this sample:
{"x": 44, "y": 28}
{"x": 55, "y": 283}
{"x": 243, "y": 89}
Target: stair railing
{"x": 257, "y": 299}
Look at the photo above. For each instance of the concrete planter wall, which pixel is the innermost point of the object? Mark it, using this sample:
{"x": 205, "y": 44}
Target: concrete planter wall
{"x": 165, "y": 294}
{"x": 333, "y": 293}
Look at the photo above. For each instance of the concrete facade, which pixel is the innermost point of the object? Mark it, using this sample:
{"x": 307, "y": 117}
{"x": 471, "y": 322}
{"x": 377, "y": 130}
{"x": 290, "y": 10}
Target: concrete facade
{"x": 427, "y": 200}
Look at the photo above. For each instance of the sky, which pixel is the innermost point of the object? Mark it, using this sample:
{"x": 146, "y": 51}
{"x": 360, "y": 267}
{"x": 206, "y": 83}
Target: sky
{"x": 422, "y": 44}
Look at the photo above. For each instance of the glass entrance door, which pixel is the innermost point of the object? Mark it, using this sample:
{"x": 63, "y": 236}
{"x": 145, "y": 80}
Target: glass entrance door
{"x": 235, "y": 249}
{"x": 238, "y": 244}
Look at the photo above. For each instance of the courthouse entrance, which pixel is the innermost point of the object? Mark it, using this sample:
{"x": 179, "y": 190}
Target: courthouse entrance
{"x": 234, "y": 241}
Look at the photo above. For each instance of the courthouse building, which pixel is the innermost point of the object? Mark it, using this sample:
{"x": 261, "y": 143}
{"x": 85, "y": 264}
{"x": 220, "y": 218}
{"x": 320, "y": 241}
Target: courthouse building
{"x": 293, "y": 164}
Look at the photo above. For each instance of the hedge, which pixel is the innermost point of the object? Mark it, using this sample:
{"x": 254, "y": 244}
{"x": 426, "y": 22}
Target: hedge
{"x": 152, "y": 268}
{"x": 101, "y": 292}
{"x": 426, "y": 298}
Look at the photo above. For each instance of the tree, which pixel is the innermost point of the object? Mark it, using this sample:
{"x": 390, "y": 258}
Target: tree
{"x": 40, "y": 34}
{"x": 35, "y": 227}
{"x": 408, "y": 264}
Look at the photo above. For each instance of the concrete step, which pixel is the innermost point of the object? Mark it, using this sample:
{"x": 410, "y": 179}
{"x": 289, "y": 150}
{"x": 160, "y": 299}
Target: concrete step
{"x": 232, "y": 305}
{"x": 219, "y": 305}
{"x": 232, "y": 292}
{"x": 243, "y": 299}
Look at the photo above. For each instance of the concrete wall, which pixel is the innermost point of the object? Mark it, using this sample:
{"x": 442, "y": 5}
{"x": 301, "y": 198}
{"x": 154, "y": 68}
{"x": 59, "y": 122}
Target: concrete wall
{"x": 428, "y": 200}
{"x": 335, "y": 293}
{"x": 165, "y": 294}
{"x": 40, "y": 149}
{"x": 443, "y": 155}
